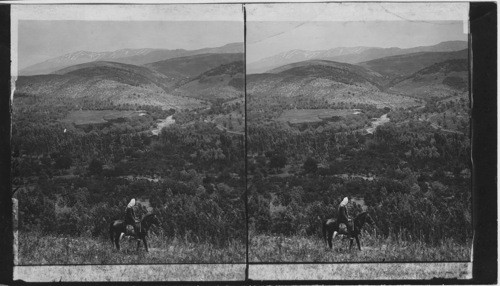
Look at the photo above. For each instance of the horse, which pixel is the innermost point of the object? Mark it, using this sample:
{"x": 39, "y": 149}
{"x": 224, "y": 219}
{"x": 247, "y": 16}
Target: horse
{"x": 330, "y": 227}
{"x": 118, "y": 227}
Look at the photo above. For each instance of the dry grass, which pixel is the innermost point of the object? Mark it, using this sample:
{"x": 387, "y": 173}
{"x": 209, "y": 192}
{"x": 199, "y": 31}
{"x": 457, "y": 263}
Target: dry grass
{"x": 35, "y": 248}
{"x": 265, "y": 248}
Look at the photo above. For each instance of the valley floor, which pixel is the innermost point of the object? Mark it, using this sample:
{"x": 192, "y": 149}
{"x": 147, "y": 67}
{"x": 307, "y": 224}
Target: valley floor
{"x": 266, "y": 248}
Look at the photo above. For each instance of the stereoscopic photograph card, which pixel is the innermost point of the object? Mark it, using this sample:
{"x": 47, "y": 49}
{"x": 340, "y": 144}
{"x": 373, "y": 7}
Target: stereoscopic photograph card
{"x": 242, "y": 142}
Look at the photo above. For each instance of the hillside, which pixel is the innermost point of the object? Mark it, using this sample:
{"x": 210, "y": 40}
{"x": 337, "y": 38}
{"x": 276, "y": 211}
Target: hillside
{"x": 323, "y": 80}
{"x": 127, "y": 56}
{"x": 224, "y": 82}
{"x": 191, "y": 66}
{"x": 397, "y": 67}
{"x": 347, "y": 55}
{"x": 104, "y": 81}
{"x": 329, "y": 69}
{"x": 442, "y": 79}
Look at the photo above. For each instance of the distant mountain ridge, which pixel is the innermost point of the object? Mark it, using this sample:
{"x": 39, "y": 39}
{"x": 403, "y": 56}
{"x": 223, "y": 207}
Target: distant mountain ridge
{"x": 347, "y": 55}
{"x": 126, "y": 56}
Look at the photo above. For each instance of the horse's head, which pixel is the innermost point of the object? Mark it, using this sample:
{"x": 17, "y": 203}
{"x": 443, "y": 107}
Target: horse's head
{"x": 151, "y": 219}
{"x": 363, "y": 218}
{"x": 369, "y": 220}
{"x": 155, "y": 220}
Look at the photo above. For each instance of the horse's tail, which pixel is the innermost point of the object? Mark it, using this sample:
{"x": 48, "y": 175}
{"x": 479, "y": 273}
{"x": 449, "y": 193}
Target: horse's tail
{"x": 111, "y": 232}
{"x": 323, "y": 228}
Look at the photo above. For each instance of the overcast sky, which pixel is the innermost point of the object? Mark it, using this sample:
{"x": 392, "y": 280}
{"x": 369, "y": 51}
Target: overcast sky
{"x": 39, "y": 40}
{"x": 268, "y": 38}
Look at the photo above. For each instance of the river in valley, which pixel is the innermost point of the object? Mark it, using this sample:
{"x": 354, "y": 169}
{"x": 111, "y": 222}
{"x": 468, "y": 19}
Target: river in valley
{"x": 377, "y": 122}
{"x": 163, "y": 123}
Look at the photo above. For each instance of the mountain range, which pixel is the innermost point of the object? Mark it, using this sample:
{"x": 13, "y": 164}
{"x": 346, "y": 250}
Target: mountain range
{"x": 395, "y": 81}
{"x": 178, "y": 83}
{"x": 187, "y": 81}
{"x": 347, "y": 55}
{"x": 126, "y": 56}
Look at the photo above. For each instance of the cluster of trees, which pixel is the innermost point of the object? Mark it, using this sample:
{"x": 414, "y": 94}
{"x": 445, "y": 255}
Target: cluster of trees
{"x": 413, "y": 178}
{"x": 409, "y": 208}
{"x": 75, "y": 180}
{"x": 197, "y": 209}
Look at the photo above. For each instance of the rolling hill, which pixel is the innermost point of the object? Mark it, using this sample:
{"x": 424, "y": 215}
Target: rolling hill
{"x": 184, "y": 68}
{"x": 105, "y": 81}
{"x": 332, "y": 81}
{"x": 443, "y": 79}
{"x": 225, "y": 82}
{"x": 395, "y": 68}
{"x": 127, "y": 56}
{"x": 347, "y": 55}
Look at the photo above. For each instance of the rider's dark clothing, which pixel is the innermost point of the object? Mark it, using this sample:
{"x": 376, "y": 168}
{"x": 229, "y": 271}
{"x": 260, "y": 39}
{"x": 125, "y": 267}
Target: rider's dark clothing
{"x": 343, "y": 217}
{"x": 131, "y": 219}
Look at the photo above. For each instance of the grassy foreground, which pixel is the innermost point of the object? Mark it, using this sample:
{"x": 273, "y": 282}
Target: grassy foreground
{"x": 266, "y": 248}
{"x": 35, "y": 248}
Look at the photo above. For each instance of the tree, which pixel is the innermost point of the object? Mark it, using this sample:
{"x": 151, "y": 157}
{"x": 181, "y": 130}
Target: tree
{"x": 95, "y": 167}
{"x": 310, "y": 165}
{"x": 277, "y": 161}
{"x": 63, "y": 162}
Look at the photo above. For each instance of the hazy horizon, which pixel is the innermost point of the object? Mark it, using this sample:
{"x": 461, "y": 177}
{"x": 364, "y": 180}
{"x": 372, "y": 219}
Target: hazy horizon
{"x": 41, "y": 40}
{"x": 267, "y": 38}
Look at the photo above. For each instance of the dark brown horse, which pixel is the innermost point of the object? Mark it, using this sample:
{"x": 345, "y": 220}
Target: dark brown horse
{"x": 118, "y": 227}
{"x": 330, "y": 226}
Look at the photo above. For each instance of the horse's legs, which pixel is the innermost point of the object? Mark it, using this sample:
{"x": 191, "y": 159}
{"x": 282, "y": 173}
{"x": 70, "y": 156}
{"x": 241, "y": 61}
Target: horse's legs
{"x": 330, "y": 238}
{"x": 351, "y": 241}
{"x": 145, "y": 244}
{"x": 117, "y": 240}
{"x": 138, "y": 244}
{"x": 325, "y": 233}
{"x": 357, "y": 241}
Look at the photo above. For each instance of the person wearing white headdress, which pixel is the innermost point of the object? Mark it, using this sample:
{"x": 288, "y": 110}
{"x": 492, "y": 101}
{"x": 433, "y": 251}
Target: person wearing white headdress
{"x": 130, "y": 217}
{"x": 343, "y": 217}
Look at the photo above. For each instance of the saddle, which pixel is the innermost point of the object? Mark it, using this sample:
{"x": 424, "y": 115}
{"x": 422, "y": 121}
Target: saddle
{"x": 130, "y": 229}
{"x": 345, "y": 228}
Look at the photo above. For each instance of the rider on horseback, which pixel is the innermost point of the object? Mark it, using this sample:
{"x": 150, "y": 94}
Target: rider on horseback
{"x": 343, "y": 217}
{"x": 131, "y": 218}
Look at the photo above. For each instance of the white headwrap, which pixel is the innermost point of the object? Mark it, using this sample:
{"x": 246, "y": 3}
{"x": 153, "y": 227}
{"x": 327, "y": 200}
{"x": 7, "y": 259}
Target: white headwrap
{"x": 344, "y": 202}
{"x": 131, "y": 204}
